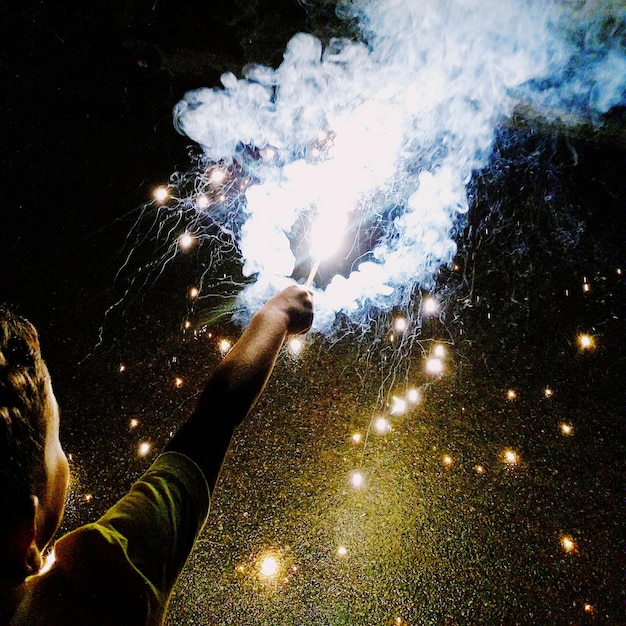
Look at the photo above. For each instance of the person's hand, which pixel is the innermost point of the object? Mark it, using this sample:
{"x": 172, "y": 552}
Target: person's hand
{"x": 296, "y": 304}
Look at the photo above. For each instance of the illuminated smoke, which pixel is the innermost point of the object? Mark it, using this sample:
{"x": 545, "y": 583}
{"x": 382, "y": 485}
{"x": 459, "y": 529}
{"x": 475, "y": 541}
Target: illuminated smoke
{"x": 378, "y": 139}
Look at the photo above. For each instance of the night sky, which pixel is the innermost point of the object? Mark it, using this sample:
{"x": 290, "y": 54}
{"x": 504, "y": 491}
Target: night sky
{"x": 492, "y": 494}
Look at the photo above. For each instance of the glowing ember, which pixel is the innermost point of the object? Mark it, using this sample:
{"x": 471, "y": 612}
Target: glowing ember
{"x": 400, "y": 324}
{"x": 434, "y": 366}
{"x": 413, "y": 396}
{"x": 429, "y": 306}
{"x": 217, "y": 176}
{"x": 202, "y": 202}
{"x": 382, "y": 425}
{"x": 586, "y": 342}
{"x": 186, "y": 240}
{"x": 398, "y": 406}
{"x": 295, "y": 346}
{"x": 510, "y": 457}
{"x": 268, "y": 153}
{"x": 161, "y": 194}
{"x": 269, "y": 565}
{"x": 357, "y": 480}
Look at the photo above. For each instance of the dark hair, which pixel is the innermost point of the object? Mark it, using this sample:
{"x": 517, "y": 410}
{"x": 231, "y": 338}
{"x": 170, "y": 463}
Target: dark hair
{"x": 23, "y": 382}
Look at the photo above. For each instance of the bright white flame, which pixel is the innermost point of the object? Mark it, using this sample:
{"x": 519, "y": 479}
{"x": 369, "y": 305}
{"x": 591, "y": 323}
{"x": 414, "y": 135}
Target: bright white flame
{"x": 357, "y": 437}
{"x": 327, "y": 233}
{"x": 342, "y": 551}
{"x": 225, "y": 345}
{"x": 144, "y": 448}
{"x": 439, "y": 351}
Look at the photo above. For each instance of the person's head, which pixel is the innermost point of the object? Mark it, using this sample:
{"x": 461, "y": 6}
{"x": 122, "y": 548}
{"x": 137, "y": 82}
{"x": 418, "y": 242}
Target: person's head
{"x": 33, "y": 468}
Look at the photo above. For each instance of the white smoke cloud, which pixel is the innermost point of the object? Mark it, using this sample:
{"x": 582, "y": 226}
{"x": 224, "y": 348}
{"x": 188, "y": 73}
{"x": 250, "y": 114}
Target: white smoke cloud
{"x": 382, "y": 136}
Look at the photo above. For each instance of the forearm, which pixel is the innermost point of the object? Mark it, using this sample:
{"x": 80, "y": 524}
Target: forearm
{"x": 231, "y": 392}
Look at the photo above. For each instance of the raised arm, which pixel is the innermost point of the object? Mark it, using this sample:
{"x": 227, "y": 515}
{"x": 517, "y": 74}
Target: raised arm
{"x": 238, "y": 381}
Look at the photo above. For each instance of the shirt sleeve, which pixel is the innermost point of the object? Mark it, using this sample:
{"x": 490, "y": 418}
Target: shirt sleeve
{"x": 139, "y": 546}
{"x": 161, "y": 517}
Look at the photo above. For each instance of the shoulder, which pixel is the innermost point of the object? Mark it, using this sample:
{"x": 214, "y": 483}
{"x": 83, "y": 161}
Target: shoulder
{"x": 90, "y": 583}
{"x": 122, "y": 568}
{"x": 172, "y": 491}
